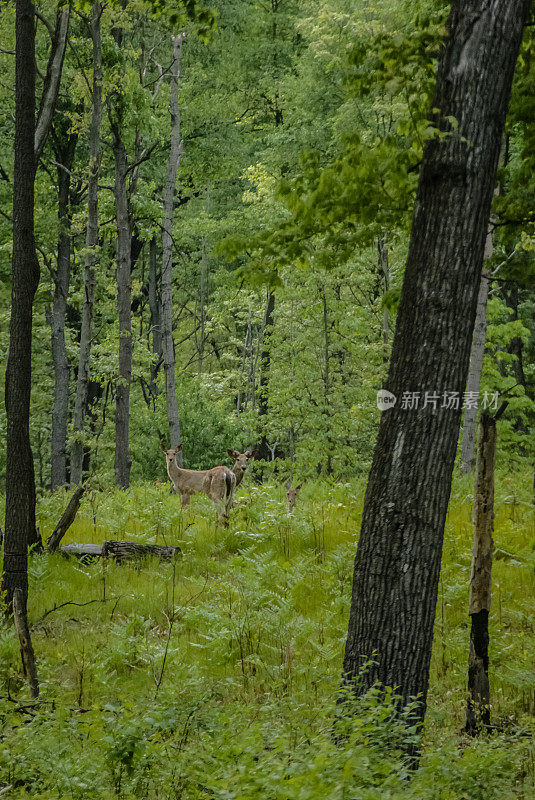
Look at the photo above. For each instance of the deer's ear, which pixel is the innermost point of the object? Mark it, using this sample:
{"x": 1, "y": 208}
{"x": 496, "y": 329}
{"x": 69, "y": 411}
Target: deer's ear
{"x": 233, "y": 453}
{"x": 252, "y": 452}
{"x": 288, "y": 484}
{"x": 163, "y": 447}
{"x": 179, "y": 447}
{"x": 297, "y": 488}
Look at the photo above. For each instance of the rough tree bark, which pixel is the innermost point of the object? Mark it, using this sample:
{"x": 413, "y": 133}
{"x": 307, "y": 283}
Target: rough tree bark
{"x": 123, "y": 462}
{"x": 64, "y": 150}
{"x": 398, "y": 556}
{"x": 20, "y": 480}
{"x": 175, "y": 155}
{"x": 91, "y": 243}
{"x": 478, "y": 705}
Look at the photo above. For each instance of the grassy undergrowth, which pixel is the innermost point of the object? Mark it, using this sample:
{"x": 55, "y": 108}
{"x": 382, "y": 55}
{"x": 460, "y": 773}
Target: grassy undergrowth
{"x": 217, "y": 676}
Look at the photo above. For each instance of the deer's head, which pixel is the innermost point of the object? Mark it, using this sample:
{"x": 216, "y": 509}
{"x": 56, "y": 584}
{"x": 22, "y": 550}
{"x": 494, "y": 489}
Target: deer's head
{"x": 291, "y": 495}
{"x": 241, "y": 460}
{"x": 170, "y": 455}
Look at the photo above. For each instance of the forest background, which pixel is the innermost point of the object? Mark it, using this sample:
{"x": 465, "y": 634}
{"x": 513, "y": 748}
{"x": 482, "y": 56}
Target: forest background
{"x": 301, "y": 131}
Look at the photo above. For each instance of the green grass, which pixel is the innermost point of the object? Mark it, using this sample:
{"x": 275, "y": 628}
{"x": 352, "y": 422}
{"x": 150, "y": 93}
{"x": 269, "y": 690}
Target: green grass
{"x": 217, "y": 676}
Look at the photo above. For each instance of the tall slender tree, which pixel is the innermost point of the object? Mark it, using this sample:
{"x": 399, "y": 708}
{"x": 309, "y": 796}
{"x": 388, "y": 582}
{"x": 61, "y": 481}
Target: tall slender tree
{"x": 398, "y": 557}
{"x": 91, "y": 242}
{"x": 64, "y": 150}
{"x": 175, "y": 154}
{"x": 123, "y": 462}
{"x": 265, "y": 364}
{"x": 155, "y": 309}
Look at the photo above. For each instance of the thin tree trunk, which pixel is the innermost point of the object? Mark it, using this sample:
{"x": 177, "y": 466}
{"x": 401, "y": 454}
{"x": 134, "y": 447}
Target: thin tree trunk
{"x": 326, "y": 379}
{"x": 92, "y": 240}
{"x": 246, "y": 343}
{"x": 155, "y": 318}
{"x": 20, "y": 480}
{"x": 478, "y": 705}
{"x": 382, "y": 258}
{"x": 52, "y": 80}
{"x": 202, "y": 291}
{"x": 123, "y": 461}
{"x": 175, "y": 155}
{"x": 397, "y": 565}
{"x": 26, "y": 648}
{"x": 265, "y": 364}
{"x": 516, "y": 346}
{"x": 58, "y": 470}
{"x": 474, "y": 376}
{"x": 467, "y": 459}
{"x": 66, "y": 519}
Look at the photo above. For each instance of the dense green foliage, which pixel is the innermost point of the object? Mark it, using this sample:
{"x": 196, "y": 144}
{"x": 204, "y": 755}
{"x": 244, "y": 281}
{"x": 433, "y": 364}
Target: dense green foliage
{"x": 218, "y": 676}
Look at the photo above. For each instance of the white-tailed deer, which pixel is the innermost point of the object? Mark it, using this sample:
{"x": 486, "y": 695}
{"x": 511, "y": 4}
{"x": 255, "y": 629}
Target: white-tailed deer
{"x": 241, "y": 462}
{"x": 291, "y": 495}
{"x": 218, "y": 483}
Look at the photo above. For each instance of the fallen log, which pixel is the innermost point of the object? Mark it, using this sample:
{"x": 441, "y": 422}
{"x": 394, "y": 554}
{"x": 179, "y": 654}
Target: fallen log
{"x": 85, "y": 551}
{"x": 121, "y": 551}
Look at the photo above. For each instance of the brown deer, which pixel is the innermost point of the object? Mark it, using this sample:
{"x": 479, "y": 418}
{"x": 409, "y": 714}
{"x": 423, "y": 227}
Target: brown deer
{"x": 291, "y": 495}
{"x": 241, "y": 462}
{"x": 218, "y": 483}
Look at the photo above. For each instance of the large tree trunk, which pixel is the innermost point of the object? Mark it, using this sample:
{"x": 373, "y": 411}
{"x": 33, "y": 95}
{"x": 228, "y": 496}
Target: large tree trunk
{"x": 20, "y": 481}
{"x": 478, "y": 705}
{"x": 398, "y": 557}
{"x": 64, "y": 151}
{"x": 175, "y": 155}
{"x": 83, "y": 377}
{"x": 123, "y": 461}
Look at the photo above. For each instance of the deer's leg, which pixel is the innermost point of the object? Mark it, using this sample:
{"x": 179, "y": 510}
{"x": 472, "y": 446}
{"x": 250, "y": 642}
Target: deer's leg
{"x": 217, "y": 493}
{"x": 230, "y": 502}
{"x": 185, "y": 498}
{"x": 222, "y": 517}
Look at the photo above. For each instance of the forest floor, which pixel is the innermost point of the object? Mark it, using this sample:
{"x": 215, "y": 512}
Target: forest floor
{"x": 216, "y": 676}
